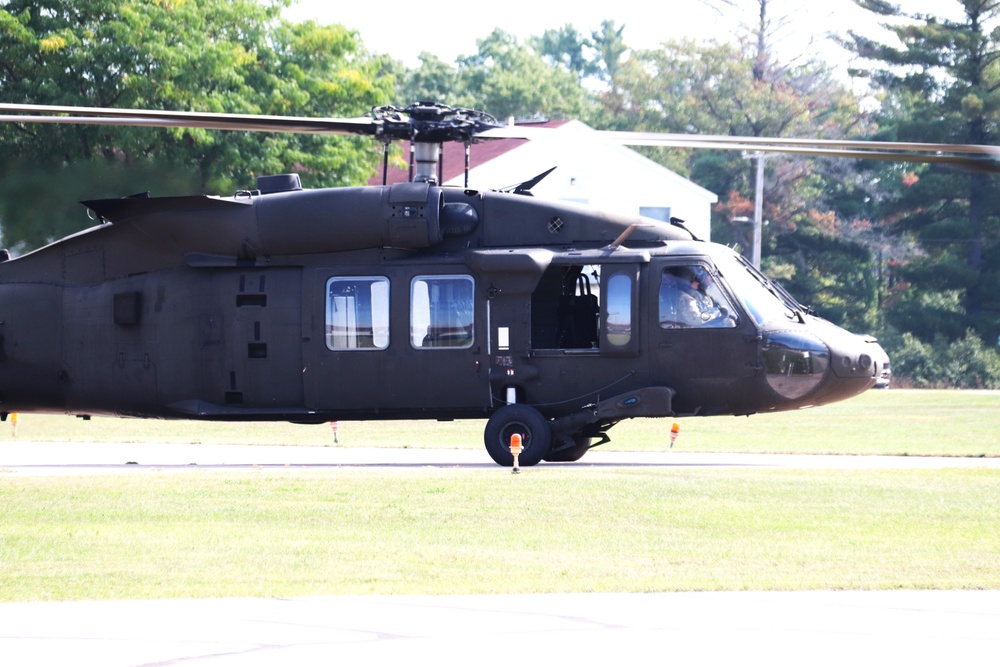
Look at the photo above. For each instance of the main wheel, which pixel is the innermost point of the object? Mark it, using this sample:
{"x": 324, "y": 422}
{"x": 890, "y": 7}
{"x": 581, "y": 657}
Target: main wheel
{"x": 573, "y": 453}
{"x": 536, "y": 436}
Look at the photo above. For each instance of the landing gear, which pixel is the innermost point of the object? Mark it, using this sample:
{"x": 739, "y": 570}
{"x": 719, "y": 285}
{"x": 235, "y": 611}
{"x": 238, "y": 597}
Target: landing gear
{"x": 536, "y": 435}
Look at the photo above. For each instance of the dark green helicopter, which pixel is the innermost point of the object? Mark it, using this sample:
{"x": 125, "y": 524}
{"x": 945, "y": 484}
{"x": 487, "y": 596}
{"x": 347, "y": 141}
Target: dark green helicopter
{"x": 413, "y": 301}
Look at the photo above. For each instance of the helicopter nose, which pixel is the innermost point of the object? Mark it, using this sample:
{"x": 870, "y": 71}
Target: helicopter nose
{"x": 853, "y": 356}
{"x": 825, "y": 362}
{"x": 795, "y": 362}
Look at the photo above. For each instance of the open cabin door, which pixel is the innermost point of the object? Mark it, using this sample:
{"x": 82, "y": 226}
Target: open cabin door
{"x": 574, "y": 332}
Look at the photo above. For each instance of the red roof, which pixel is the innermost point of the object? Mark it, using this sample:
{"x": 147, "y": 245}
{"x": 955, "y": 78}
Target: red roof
{"x": 453, "y": 155}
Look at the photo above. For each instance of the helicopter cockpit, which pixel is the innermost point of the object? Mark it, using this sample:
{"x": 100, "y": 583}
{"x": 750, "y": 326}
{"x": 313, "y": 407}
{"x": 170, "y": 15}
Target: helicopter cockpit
{"x": 691, "y": 298}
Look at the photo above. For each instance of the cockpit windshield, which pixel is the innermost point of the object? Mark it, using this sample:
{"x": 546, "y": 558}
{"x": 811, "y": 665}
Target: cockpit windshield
{"x": 764, "y": 300}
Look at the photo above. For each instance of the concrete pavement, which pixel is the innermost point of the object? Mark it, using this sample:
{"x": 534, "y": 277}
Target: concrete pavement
{"x": 804, "y": 628}
{"x": 60, "y": 458}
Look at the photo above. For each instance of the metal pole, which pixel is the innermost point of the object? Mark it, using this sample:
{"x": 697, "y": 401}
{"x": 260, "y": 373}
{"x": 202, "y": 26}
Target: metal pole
{"x": 758, "y": 209}
{"x": 468, "y": 155}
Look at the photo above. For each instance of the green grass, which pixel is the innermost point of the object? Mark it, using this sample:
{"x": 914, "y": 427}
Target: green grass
{"x": 439, "y": 531}
{"x": 553, "y": 528}
{"x": 916, "y": 423}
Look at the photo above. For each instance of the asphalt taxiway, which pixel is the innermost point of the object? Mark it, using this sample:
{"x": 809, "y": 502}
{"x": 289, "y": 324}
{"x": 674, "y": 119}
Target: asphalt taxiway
{"x": 82, "y": 458}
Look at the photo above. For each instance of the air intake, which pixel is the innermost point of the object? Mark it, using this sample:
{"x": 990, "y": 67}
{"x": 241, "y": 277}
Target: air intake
{"x": 280, "y": 183}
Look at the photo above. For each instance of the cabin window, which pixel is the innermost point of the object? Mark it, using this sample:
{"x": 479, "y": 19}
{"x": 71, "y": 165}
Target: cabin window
{"x": 357, "y": 313}
{"x": 441, "y": 312}
{"x": 690, "y": 298}
{"x": 619, "y": 309}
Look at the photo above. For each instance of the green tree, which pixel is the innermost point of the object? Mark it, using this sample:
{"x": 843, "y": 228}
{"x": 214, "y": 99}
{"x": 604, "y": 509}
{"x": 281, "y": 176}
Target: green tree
{"x": 433, "y": 80}
{"x": 567, "y": 47}
{"x": 236, "y": 56}
{"x": 941, "y": 85}
{"x": 507, "y": 78}
{"x": 963, "y": 363}
{"x": 741, "y": 90}
{"x": 609, "y": 42}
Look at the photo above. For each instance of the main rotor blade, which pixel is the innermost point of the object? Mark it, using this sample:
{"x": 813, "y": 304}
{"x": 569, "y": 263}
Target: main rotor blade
{"x": 658, "y": 139}
{"x": 970, "y": 156}
{"x": 980, "y": 160}
{"x": 34, "y": 113}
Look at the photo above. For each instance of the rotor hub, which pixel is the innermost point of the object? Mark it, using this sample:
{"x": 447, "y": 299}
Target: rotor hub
{"x": 430, "y": 122}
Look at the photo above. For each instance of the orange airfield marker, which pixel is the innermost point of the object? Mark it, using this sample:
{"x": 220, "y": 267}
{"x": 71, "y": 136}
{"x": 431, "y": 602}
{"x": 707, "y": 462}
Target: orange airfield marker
{"x": 516, "y": 449}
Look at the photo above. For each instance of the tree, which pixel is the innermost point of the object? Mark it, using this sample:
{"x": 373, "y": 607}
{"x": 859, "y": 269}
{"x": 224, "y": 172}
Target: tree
{"x": 433, "y": 80}
{"x": 236, "y": 56}
{"x": 565, "y": 46}
{"x": 508, "y": 79}
{"x": 721, "y": 88}
{"x": 611, "y": 48}
{"x": 941, "y": 85}
{"x": 761, "y": 30}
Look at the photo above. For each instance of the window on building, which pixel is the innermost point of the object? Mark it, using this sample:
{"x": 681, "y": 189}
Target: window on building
{"x": 655, "y": 212}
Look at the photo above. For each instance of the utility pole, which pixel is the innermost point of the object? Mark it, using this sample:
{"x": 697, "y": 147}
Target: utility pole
{"x": 758, "y": 208}
{"x": 745, "y": 220}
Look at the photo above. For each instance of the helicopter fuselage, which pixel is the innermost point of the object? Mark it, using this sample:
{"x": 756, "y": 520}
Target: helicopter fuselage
{"x": 407, "y": 301}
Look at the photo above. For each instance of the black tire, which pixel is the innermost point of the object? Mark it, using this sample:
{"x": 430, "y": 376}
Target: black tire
{"x": 581, "y": 446}
{"x": 536, "y": 436}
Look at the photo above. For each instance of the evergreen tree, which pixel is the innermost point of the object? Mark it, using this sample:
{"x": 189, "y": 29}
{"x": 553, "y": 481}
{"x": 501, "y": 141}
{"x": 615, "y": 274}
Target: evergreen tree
{"x": 941, "y": 85}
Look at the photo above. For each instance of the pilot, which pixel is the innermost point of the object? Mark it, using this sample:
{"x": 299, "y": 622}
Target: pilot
{"x": 685, "y": 302}
{"x": 680, "y": 299}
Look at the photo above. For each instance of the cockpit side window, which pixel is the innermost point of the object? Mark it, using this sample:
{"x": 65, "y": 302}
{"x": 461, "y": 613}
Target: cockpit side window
{"x": 691, "y": 299}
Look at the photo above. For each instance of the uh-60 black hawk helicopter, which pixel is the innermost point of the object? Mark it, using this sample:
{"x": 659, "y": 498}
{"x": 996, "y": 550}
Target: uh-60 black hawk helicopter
{"x": 552, "y": 320}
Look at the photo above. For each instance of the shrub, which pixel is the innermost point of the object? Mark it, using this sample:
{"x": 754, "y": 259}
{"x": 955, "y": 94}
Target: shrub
{"x": 966, "y": 363}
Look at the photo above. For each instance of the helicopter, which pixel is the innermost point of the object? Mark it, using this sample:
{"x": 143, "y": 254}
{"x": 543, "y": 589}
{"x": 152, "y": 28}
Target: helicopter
{"x": 547, "y": 319}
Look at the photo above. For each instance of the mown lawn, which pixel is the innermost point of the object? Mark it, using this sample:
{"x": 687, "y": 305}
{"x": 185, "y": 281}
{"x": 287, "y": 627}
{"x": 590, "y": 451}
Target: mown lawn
{"x": 443, "y": 531}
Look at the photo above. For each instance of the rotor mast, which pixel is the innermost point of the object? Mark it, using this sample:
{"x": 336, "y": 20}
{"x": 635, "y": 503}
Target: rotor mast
{"x": 427, "y": 125}
{"x": 426, "y": 157}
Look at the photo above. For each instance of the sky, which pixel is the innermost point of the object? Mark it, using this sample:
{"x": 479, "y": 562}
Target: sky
{"x": 403, "y": 29}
